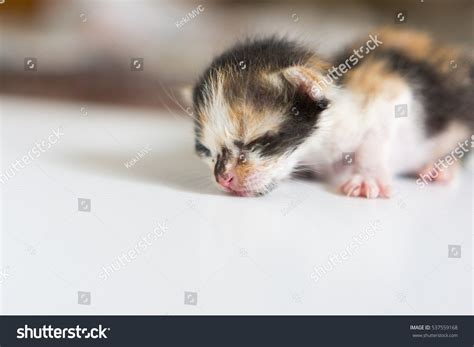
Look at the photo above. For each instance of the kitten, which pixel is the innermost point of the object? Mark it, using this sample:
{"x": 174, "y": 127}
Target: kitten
{"x": 394, "y": 104}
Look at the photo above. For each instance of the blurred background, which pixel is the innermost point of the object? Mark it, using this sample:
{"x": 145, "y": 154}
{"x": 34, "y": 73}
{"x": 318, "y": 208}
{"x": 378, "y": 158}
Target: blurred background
{"x": 84, "y": 50}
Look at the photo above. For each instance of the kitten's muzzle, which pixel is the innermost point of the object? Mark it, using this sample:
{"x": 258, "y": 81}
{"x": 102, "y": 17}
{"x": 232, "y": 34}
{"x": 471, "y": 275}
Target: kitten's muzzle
{"x": 226, "y": 180}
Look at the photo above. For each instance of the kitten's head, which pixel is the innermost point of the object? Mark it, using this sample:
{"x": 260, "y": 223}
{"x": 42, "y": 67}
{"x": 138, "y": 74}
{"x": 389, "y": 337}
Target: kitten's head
{"x": 255, "y": 107}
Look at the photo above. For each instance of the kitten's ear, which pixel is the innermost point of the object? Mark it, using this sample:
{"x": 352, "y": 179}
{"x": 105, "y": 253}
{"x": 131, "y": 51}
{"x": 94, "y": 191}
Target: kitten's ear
{"x": 186, "y": 95}
{"x": 309, "y": 82}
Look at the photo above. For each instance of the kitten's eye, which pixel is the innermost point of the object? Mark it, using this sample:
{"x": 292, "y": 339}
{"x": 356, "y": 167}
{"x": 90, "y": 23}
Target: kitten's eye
{"x": 261, "y": 143}
{"x": 202, "y": 150}
{"x": 242, "y": 158}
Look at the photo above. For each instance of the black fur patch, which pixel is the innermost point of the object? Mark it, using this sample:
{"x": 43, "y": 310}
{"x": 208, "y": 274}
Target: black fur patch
{"x": 300, "y": 123}
{"x": 248, "y": 57}
{"x": 221, "y": 162}
{"x": 201, "y": 150}
{"x": 443, "y": 100}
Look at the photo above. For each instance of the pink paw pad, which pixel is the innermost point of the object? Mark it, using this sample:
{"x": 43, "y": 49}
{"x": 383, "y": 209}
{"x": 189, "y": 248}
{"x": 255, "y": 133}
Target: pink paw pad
{"x": 367, "y": 187}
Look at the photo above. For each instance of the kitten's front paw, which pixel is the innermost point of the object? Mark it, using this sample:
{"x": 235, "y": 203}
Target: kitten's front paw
{"x": 366, "y": 186}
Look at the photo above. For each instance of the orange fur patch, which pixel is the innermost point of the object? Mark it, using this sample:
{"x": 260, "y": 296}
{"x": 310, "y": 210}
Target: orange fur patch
{"x": 242, "y": 171}
{"x": 373, "y": 78}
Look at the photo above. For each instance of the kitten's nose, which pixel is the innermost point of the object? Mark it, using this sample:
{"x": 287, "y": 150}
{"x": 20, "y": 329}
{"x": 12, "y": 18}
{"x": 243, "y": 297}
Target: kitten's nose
{"x": 225, "y": 180}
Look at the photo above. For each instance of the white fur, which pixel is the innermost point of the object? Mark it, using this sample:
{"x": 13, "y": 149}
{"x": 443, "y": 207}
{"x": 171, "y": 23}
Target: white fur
{"x": 384, "y": 145}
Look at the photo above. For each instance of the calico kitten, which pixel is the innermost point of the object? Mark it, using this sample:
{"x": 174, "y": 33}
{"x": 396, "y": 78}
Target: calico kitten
{"x": 394, "y": 104}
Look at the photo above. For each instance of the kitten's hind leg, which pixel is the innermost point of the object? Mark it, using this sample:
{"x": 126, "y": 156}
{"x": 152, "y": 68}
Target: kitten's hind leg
{"x": 452, "y": 145}
{"x": 439, "y": 174}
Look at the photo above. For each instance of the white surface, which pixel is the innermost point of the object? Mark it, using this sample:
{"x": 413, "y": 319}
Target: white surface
{"x": 241, "y": 255}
